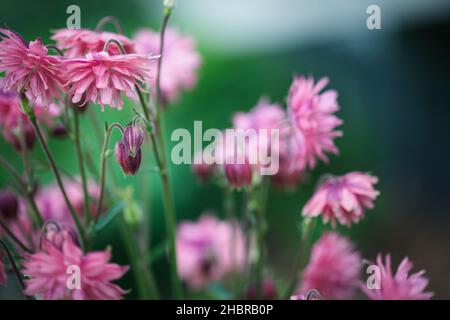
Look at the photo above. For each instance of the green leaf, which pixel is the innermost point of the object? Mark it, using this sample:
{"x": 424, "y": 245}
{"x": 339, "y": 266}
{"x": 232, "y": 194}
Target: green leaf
{"x": 109, "y": 216}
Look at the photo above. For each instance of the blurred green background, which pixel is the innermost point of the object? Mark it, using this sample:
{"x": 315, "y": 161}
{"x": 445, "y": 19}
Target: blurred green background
{"x": 393, "y": 89}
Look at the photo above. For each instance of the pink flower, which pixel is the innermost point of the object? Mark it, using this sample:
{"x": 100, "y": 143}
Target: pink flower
{"x": 209, "y": 249}
{"x": 333, "y": 269}
{"x": 101, "y": 78}
{"x": 3, "y": 278}
{"x": 342, "y": 198}
{"x": 180, "y": 60}
{"x": 52, "y": 270}
{"x": 130, "y": 164}
{"x": 16, "y": 127}
{"x": 312, "y": 116}
{"x": 28, "y": 68}
{"x": 264, "y": 115}
{"x": 52, "y": 206}
{"x": 400, "y": 286}
{"x": 239, "y": 175}
{"x": 79, "y": 42}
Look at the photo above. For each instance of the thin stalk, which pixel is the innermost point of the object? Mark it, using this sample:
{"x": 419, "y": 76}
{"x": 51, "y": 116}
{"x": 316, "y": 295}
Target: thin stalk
{"x": 54, "y": 168}
{"x": 302, "y": 255}
{"x": 14, "y": 266}
{"x": 261, "y": 230}
{"x": 103, "y": 167}
{"x": 110, "y": 19}
{"x": 144, "y": 278}
{"x": 14, "y": 238}
{"x": 165, "y": 181}
{"x": 36, "y": 215}
{"x": 87, "y": 213}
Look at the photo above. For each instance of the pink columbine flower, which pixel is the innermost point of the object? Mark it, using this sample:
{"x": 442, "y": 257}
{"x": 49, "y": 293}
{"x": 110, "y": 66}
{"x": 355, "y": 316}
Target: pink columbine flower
{"x": 79, "y": 42}
{"x": 130, "y": 164}
{"x": 209, "y": 249}
{"x": 16, "y": 127}
{"x": 52, "y": 206}
{"x": 342, "y": 198}
{"x": 312, "y": 116}
{"x": 180, "y": 60}
{"x": 133, "y": 137}
{"x": 50, "y": 269}
{"x": 28, "y": 68}
{"x": 333, "y": 269}
{"x": 101, "y": 78}
{"x": 239, "y": 175}
{"x": 400, "y": 286}
{"x": 265, "y": 115}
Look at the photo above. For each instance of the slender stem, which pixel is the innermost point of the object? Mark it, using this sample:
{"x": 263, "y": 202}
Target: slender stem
{"x": 54, "y": 168}
{"x": 167, "y": 190}
{"x": 144, "y": 278}
{"x": 14, "y": 266}
{"x": 103, "y": 167}
{"x": 302, "y": 254}
{"x": 52, "y": 46}
{"x": 261, "y": 230}
{"x": 110, "y": 19}
{"x": 37, "y": 217}
{"x": 87, "y": 213}
{"x": 14, "y": 238}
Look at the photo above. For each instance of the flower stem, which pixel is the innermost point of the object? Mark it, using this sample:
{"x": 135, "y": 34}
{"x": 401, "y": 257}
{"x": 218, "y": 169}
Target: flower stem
{"x": 103, "y": 156}
{"x": 302, "y": 254}
{"x": 14, "y": 266}
{"x": 54, "y": 168}
{"x": 144, "y": 278}
{"x": 87, "y": 213}
{"x": 36, "y": 217}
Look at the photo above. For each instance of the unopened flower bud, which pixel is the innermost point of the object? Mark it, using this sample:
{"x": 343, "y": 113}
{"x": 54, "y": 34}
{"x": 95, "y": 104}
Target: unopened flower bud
{"x": 9, "y": 205}
{"x": 202, "y": 170}
{"x": 133, "y": 137}
{"x": 239, "y": 175}
{"x": 59, "y": 131}
{"x": 130, "y": 164}
{"x": 269, "y": 291}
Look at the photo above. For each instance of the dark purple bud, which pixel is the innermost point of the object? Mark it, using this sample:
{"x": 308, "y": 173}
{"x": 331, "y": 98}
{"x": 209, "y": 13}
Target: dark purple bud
{"x": 269, "y": 291}
{"x": 239, "y": 175}
{"x": 133, "y": 137}
{"x": 9, "y": 205}
{"x": 130, "y": 164}
{"x": 59, "y": 131}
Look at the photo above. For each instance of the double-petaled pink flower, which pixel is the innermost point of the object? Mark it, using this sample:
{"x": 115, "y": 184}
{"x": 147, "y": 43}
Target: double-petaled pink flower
{"x": 342, "y": 198}
{"x": 209, "y": 249}
{"x": 101, "y": 78}
{"x": 312, "y": 116}
{"x": 400, "y": 286}
{"x": 65, "y": 272}
{"x": 79, "y": 42}
{"x": 28, "y": 68}
{"x": 180, "y": 60}
{"x": 333, "y": 269}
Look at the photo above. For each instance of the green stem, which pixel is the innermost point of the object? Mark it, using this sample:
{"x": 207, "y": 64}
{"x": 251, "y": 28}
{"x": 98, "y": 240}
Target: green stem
{"x": 87, "y": 213}
{"x": 144, "y": 278}
{"x": 36, "y": 215}
{"x": 302, "y": 254}
{"x": 14, "y": 266}
{"x": 79, "y": 227}
{"x": 103, "y": 167}
{"x": 14, "y": 238}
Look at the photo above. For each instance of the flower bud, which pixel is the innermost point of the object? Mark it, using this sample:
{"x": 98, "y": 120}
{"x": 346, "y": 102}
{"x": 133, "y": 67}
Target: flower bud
{"x": 130, "y": 164}
{"x": 202, "y": 170}
{"x": 59, "y": 131}
{"x": 9, "y": 205}
{"x": 239, "y": 175}
{"x": 269, "y": 291}
{"x": 133, "y": 137}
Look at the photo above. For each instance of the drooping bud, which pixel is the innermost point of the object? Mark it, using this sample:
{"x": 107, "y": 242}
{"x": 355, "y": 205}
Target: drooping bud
{"x": 202, "y": 170}
{"x": 133, "y": 137}
{"x": 9, "y": 205}
{"x": 269, "y": 291}
{"x": 239, "y": 175}
{"x": 130, "y": 164}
